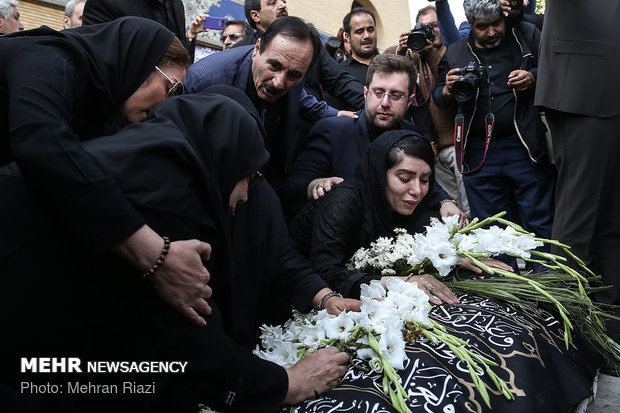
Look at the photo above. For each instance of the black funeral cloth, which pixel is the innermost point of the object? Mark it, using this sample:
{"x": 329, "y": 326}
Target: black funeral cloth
{"x": 528, "y": 346}
{"x": 60, "y": 88}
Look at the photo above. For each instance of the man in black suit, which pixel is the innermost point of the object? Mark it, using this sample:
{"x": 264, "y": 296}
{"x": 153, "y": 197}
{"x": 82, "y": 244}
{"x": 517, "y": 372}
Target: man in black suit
{"x": 577, "y": 87}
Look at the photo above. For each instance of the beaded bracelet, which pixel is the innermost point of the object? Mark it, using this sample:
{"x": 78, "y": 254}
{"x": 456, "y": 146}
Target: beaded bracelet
{"x": 327, "y": 297}
{"x": 160, "y": 260}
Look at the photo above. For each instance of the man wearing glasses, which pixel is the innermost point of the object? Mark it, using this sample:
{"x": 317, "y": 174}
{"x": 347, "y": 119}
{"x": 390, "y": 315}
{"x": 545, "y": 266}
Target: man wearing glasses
{"x": 234, "y": 31}
{"x": 336, "y": 145}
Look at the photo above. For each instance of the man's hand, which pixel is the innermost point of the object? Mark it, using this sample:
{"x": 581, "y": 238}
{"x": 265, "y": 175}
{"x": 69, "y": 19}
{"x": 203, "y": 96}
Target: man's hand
{"x": 195, "y": 26}
{"x": 313, "y": 374}
{"x": 348, "y": 114}
{"x": 320, "y": 186}
{"x": 521, "y": 80}
{"x": 506, "y": 10}
{"x": 452, "y": 76}
{"x": 402, "y": 43}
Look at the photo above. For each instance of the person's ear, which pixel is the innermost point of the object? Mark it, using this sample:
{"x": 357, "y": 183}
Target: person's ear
{"x": 255, "y": 15}
{"x": 256, "y": 51}
{"x": 345, "y": 37}
{"x": 410, "y": 98}
{"x": 66, "y": 22}
{"x": 365, "y": 91}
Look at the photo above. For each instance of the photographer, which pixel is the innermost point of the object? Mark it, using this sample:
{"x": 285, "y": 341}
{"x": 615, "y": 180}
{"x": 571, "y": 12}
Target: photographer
{"x": 424, "y": 45}
{"x": 490, "y": 77}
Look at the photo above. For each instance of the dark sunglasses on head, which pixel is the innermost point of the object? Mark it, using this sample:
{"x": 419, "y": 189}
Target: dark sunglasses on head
{"x": 233, "y": 37}
{"x": 177, "y": 87}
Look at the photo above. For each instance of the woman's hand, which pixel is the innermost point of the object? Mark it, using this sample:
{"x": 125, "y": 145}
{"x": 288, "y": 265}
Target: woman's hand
{"x": 448, "y": 209}
{"x": 320, "y": 186}
{"x": 438, "y": 293}
{"x": 313, "y": 374}
{"x": 181, "y": 280}
{"x": 337, "y": 305}
{"x": 468, "y": 264}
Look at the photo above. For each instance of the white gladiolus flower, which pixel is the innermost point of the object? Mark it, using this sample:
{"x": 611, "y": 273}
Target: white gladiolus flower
{"x": 392, "y": 346}
{"x": 338, "y": 327}
{"x": 374, "y": 290}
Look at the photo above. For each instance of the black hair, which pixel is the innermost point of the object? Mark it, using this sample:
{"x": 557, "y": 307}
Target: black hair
{"x": 248, "y": 6}
{"x": 410, "y": 145}
{"x": 346, "y": 22}
{"x": 290, "y": 26}
{"x": 393, "y": 63}
{"x": 247, "y": 29}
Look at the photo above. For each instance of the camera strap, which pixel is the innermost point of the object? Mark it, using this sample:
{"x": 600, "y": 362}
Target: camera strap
{"x": 428, "y": 85}
{"x": 459, "y": 141}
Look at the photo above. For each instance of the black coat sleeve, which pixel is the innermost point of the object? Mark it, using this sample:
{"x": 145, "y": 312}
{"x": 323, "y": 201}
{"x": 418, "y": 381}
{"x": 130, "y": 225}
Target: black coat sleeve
{"x": 81, "y": 195}
{"x": 313, "y": 162}
{"x": 335, "y": 237}
{"x": 340, "y": 84}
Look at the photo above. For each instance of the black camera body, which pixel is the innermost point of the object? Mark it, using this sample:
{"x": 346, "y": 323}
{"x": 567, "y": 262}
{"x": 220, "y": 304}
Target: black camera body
{"x": 474, "y": 76}
{"x": 419, "y": 35}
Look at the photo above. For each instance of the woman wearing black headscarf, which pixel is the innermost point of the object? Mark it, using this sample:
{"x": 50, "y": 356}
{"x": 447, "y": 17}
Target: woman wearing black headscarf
{"x": 184, "y": 170}
{"x": 58, "y": 89}
{"x": 388, "y": 192}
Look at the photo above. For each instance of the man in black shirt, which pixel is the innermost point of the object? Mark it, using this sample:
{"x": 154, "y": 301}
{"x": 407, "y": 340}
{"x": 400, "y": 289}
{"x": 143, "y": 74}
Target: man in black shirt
{"x": 502, "y": 151}
{"x": 359, "y": 29}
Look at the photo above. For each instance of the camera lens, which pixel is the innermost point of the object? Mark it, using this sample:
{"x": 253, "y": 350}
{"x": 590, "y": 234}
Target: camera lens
{"x": 464, "y": 88}
{"x": 416, "y": 41}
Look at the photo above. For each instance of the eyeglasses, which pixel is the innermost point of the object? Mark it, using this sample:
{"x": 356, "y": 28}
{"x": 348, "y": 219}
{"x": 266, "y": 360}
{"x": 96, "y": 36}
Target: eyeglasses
{"x": 177, "y": 87}
{"x": 233, "y": 37}
{"x": 255, "y": 178}
{"x": 394, "y": 96}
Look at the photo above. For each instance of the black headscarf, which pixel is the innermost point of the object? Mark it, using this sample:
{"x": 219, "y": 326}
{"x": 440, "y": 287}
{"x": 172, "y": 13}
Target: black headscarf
{"x": 371, "y": 181}
{"x": 121, "y": 55}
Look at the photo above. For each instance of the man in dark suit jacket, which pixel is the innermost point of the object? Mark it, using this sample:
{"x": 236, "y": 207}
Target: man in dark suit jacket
{"x": 336, "y": 145}
{"x": 577, "y": 87}
{"x": 270, "y": 73}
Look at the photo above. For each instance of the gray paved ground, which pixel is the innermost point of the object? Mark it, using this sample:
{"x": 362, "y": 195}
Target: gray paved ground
{"x": 608, "y": 395}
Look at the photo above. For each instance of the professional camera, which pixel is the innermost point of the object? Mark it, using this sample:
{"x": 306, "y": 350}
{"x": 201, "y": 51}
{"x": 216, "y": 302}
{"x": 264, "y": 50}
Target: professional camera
{"x": 419, "y": 35}
{"x": 474, "y": 76}
{"x": 332, "y": 44}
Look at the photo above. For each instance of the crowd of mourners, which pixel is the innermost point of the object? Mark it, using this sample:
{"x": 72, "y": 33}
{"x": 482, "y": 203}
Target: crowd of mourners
{"x": 153, "y": 209}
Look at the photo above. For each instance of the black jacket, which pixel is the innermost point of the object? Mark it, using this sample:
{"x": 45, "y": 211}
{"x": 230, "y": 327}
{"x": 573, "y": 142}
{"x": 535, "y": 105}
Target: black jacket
{"x": 335, "y": 147}
{"x": 524, "y": 39}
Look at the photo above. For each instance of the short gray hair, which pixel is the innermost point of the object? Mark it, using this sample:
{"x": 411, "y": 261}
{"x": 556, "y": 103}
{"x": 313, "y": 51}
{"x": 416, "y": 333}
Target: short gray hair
{"x": 481, "y": 9}
{"x": 70, "y": 7}
{"x": 6, "y": 8}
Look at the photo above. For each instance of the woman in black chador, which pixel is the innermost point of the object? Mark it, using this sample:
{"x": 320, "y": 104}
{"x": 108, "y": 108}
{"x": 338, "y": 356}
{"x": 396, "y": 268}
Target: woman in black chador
{"x": 59, "y": 89}
{"x": 389, "y": 192}
{"x": 190, "y": 170}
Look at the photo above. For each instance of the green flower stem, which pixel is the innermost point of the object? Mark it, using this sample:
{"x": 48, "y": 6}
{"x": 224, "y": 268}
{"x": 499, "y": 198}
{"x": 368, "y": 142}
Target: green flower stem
{"x": 474, "y": 224}
{"x": 397, "y": 398}
{"x": 516, "y": 227}
{"x": 548, "y": 256}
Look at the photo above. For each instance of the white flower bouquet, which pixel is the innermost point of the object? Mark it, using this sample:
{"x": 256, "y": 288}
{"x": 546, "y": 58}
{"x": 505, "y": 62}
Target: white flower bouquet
{"x": 377, "y": 334}
{"x": 439, "y": 249}
{"x": 390, "y": 318}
